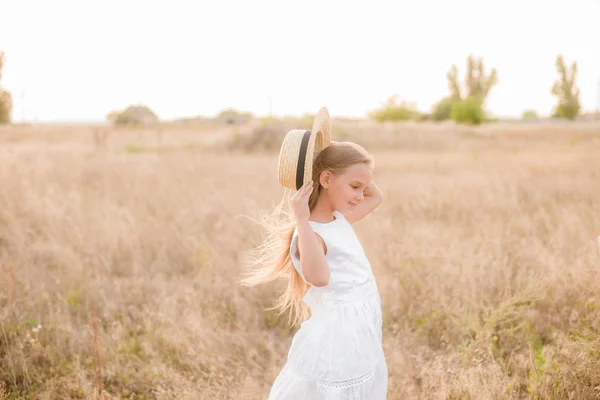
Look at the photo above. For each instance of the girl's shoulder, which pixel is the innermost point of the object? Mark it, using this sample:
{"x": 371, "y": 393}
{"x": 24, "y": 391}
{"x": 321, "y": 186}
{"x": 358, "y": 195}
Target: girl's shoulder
{"x": 329, "y": 230}
{"x": 338, "y": 220}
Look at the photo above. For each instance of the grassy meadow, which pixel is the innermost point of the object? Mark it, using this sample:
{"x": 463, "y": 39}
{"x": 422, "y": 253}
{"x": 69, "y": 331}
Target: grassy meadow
{"x": 120, "y": 250}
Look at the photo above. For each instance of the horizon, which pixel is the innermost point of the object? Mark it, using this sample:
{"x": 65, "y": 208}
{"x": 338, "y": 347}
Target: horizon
{"x": 264, "y": 58}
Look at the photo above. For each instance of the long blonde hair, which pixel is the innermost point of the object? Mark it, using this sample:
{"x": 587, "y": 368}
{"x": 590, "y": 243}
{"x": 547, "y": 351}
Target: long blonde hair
{"x": 271, "y": 259}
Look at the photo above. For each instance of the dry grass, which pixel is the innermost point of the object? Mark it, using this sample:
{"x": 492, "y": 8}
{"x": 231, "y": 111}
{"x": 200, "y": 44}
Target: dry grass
{"x": 119, "y": 258}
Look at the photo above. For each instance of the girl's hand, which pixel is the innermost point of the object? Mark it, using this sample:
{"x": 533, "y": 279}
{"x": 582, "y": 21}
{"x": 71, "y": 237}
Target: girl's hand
{"x": 299, "y": 201}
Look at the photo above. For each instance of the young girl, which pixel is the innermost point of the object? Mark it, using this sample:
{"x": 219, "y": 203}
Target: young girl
{"x": 337, "y": 353}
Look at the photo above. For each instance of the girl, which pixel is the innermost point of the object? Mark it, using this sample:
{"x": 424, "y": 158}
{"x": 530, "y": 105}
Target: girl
{"x": 337, "y": 353}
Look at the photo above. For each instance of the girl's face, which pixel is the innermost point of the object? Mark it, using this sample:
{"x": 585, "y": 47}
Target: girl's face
{"x": 345, "y": 191}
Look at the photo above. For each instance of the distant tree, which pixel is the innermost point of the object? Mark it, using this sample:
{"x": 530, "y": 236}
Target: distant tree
{"x": 112, "y": 116}
{"x": 530, "y": 115}
{"x": 5, "y": 107}
{"x": 232, "y": 116}
{"x": 565, "y": 89}
{"x": 6, "y": 103}
{"x": 471, "y": 94}
{"x": 232, "y": 111}
{"x": 454, "y": 84}
{"x": 133, "y": 115}
{"x": 394, "y": 111}
{"x": 476, "y": 84}
{"x": 442, "y": 109}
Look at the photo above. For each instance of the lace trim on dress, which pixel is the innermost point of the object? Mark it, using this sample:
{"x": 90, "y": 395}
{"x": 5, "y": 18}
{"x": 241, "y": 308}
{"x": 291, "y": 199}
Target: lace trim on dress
{"x": 361, "y": 380}
{"x": 342, "y": 384}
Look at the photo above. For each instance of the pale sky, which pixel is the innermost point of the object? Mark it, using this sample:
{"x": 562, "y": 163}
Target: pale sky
{"x": 78, "y": 60}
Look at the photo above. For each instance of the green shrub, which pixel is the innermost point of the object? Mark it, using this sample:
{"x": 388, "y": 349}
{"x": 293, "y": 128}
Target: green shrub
{"x": 442, "y": 109}
{"x": 468, "y": 111}
{"x": 530, "y": 115}
{"x": 133, "y": 115}
{"x": 233, "y": 116}
{"x": 394, "y": 111}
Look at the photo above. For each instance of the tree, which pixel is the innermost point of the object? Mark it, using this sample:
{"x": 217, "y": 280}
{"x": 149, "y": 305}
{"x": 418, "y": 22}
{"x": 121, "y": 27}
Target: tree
{"x": 530, "y": 115}
{"x": 112, "y": 116}
{"x": 477, "y": 83}
{"x": 453, "y": 84}
{"x": 6, "y": 104}
{"x": 133, "y": 115}
{"x": 564, "y": 88}
{"x": 472, "y": 94}
{"x": 232, "y": 116}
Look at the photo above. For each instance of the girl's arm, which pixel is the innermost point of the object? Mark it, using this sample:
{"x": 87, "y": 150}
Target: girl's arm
{"x": 312, "y": 255}
{"x": 373, "y": 191}
{"x": 373, "y": 198}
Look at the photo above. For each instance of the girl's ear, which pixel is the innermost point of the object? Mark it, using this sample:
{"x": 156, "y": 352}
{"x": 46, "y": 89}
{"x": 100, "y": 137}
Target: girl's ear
{"x": 325, "y": 179}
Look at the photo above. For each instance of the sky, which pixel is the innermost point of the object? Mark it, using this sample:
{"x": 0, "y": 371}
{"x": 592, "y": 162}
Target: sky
{"x": 79, "y": 60}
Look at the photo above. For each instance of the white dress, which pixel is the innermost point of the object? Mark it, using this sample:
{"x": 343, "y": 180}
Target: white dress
{"x": 337, "y": 352}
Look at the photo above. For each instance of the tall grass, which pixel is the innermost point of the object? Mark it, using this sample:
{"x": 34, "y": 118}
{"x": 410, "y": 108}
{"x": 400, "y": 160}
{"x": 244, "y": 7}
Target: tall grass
{"x": 118, "y": 268}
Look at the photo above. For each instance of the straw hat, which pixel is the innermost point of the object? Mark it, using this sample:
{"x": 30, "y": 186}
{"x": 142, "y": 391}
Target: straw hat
{"x": 299, "y": 150}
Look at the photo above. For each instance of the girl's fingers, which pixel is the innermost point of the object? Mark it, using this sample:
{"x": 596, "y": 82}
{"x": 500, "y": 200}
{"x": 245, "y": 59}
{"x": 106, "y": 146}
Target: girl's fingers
{"x": 303, "y": 189}
{"x": 309, "y": 186}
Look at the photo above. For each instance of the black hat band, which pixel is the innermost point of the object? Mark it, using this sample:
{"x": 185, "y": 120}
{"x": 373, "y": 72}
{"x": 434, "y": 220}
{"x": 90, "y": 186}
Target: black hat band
{"x": 302, "y": 160}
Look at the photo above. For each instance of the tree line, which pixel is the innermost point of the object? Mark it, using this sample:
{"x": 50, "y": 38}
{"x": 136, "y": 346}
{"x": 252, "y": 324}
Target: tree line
{"x": 466, "y": 100}
{"x": 464, "y": 103}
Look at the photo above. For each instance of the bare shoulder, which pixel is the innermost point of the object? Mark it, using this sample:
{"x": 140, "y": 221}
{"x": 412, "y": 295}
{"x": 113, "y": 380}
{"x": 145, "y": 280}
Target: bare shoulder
{"x": 319, "y": 238}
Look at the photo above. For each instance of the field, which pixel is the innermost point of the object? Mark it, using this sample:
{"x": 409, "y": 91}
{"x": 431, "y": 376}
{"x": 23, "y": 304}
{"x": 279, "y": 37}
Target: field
{"x": 120, "y": 250}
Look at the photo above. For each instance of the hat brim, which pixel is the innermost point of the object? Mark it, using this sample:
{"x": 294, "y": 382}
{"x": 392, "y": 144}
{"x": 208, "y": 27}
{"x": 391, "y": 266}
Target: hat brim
{"x": 300, "y": 149}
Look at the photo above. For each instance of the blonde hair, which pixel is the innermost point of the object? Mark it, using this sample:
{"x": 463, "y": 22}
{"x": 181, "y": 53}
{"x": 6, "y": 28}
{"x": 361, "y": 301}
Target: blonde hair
{"x": 271, "y": 260}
